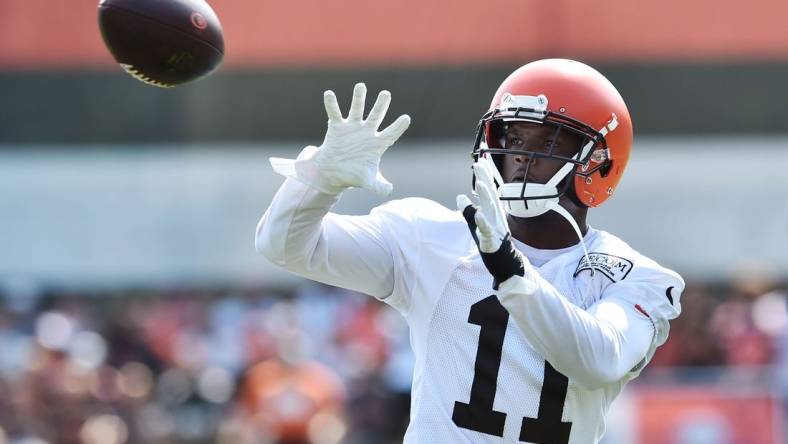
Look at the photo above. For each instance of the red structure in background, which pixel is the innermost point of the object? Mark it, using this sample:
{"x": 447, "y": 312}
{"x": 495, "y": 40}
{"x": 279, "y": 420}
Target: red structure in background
{"x": 682, "y": 415}
{"x": 64, "y": 34}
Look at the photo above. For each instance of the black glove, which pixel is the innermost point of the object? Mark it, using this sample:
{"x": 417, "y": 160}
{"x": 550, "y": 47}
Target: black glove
{"x": 503, "y": 263}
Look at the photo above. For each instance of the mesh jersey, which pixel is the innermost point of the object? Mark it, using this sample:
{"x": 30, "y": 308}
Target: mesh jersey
{"x": 478, "y": 376}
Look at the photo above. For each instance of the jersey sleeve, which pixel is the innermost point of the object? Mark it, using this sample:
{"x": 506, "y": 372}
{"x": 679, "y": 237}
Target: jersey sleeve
{"x": 373, "y": 254}
{"x": 655, "y": 293}
{"x": 611, "y": 340}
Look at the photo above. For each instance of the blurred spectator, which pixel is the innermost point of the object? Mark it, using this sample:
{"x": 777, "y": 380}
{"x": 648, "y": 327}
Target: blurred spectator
{"x": 744, "y": 330}
{"x": 289, "y": 398}
{"x": 690, "y": 343}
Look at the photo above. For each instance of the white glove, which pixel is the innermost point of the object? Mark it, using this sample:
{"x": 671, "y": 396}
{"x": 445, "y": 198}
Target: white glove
{"x": 489, "y": 227}
{"x": 350, "y": 154}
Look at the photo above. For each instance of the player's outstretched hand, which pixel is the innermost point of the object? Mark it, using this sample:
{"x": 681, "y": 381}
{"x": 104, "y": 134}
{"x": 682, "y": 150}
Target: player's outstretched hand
{"x": 350, "y": 154}
{"x": 489, "y": 228}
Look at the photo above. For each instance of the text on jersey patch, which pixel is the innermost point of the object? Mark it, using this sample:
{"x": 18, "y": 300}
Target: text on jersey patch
{"x": 614, "y": 267}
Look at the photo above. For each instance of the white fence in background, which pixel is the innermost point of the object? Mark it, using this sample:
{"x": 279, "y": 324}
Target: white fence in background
{"x": 186, "y": 215}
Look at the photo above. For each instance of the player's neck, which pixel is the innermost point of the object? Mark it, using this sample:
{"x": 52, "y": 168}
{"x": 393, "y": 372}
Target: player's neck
{"x": 549, "y": 231}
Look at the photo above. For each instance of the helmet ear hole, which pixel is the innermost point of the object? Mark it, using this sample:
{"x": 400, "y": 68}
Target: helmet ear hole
{"x": 604, "y": 170}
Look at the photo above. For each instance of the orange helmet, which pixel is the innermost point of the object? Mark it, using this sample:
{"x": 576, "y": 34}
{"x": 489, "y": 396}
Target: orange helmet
{"x": 571, "y": 96}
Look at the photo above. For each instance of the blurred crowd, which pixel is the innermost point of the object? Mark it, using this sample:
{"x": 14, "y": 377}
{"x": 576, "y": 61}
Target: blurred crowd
{"x": 319, "y": 365}
{"x": 740, "y": 323}
{"x": 202, "y": 367}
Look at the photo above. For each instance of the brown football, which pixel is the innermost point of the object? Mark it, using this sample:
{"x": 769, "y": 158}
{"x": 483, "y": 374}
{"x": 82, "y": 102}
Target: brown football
{"x": 162, "y": 42}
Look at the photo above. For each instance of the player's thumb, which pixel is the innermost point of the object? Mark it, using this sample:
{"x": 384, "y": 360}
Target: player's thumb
{"x": 380, "y": 186}
{"x": 463, "y": 202}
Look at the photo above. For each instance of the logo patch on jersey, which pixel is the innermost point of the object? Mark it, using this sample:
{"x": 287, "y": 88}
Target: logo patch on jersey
{"x": 614, "y": 267}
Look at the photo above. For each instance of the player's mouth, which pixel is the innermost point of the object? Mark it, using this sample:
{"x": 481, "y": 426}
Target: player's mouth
{"x": 519, "y": 175}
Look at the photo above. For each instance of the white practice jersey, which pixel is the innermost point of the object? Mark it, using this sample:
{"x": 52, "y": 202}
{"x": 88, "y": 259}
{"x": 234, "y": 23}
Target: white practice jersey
{"x": 538, "y": 361}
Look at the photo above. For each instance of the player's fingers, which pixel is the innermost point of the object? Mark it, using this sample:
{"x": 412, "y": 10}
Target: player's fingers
{"x": 379, "y": 109}
{"x": 484, "y": 178}
{"x": 486, "y": 197}
{"x": 357, "y": 106}
{"x": 491, "y": 193}
{"x": 332, "y": 107}
{"x": 481, "y": 175}
{"x": 486, "y": 172}
{"x": 490, "y": 203}
{"x": 492, "y": 170}
{"x": 395, "y": 130}
{"x": 484, "y": 227}
{"x": 486, "y": 166}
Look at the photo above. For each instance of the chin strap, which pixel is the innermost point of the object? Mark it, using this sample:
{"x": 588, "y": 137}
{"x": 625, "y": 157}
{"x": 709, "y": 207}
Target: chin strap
{"x": 565, "y": 214}
{"x": 562, "y": 211}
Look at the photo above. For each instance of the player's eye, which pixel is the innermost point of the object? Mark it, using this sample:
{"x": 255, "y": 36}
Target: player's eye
{"x": 514, "y": 142}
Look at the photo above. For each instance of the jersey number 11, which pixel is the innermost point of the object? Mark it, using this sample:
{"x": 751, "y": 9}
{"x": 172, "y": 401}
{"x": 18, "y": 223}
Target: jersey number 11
{"x": 478, "y": 414}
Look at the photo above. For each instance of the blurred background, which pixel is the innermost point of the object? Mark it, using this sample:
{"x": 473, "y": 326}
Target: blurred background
{"x": 134, "y": 309}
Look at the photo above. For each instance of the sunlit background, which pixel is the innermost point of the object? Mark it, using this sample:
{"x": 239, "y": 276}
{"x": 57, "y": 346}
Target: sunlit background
{"x": 135, "y": 310}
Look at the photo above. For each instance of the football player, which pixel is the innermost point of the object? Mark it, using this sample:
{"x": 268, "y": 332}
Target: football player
{"x": 525, "y": 322}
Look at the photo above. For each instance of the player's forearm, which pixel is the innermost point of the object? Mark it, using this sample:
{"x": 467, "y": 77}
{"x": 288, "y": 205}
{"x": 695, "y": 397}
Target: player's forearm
{"x": 289, "y": 231}
{"x": 298, "y": 233}
{"x": 586, "y": 349}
